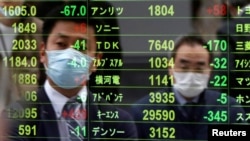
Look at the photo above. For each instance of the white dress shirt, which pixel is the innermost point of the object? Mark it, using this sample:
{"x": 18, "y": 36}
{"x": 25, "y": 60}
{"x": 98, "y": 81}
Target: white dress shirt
{"x": 58, "y": 101}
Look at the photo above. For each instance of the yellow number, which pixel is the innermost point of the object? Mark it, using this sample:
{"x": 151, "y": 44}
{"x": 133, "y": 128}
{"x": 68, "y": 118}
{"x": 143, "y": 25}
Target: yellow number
{"x": 160, "y": 80}
{"x": 25, "y": 78}
{"x": 24, "y": 130}
{"x": 158, "y": 115}
{"x": 24, "y": 44}
{"x": 24, "y": 28}
{"x": 30, "y": 96}
{"x": 162, "y": 132}
{"x": 20, "y": 61}
{"x": 161, "y": 10}
{"x": 160, "y": 62}
{"x": 158, "y": 45}
{"x": 158, "y": 97}
{"x": 22, "y": 10}
{"x": 28, "y": 113}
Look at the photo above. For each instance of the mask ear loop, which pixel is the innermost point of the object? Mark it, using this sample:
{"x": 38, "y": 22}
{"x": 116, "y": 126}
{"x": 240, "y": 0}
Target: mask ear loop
{"x": 91, "y": 61}
{"x": 44, "y": 65}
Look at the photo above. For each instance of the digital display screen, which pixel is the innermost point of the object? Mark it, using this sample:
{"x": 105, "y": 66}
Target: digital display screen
{"x": 143, "y": 70}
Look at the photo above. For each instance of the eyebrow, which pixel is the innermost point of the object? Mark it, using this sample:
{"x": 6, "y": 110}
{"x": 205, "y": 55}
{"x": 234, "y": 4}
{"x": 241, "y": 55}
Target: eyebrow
{"x": 61, "y": 35}
{"x": 66, "y": 36}
{"x": 199, "y": 63}
{"x": 184, "y": 61}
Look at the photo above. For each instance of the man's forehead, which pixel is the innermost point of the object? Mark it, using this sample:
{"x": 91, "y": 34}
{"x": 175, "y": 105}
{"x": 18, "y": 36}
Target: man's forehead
{"x": 193, "y": 59}
{"x": 194, "y": 50}
{"x": 196, "y": 54}
{"x": 63, "y": 34}
{"x": 72, "y": 29}
{"x": 191, "y": 48}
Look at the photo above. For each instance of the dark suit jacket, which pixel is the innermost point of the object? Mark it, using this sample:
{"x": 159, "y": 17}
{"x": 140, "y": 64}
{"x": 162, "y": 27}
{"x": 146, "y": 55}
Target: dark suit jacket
{"x": 47, "y": 126}
{"x": 175, "y": 124}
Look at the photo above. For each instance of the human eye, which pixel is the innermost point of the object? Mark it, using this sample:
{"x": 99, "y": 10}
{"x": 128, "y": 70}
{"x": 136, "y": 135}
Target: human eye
{"x": 199, "y": 70}
{"x": 184, "y": 68}
{"x": 61, "y": 44}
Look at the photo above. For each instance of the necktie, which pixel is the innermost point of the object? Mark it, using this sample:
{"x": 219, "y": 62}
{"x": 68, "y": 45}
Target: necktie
{"x": 189, "y": 110}
{"x": 75, "y": 115}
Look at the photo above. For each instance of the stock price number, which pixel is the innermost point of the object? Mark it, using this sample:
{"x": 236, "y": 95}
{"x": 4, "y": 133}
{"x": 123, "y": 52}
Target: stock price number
{"x": 24, "y": 27}
{"x": 80, "y": 131}
{"x": 20, "y": 62}
{"x": 28, "y": 113}
{"x": 159, "y": 45}
{"x": 161, "y": 10}
{"x": 158, "y": 115}
{"x": 30, "y": 96}
{"x": 23, "y": 10}
{"x": 74, "y": 10}
{"x": 26, "y": 130}
{"x": 160, "y": 62}
{"x": 162, "y": 132}
{"x": 78, "y": 62}
{"x": 160, "y": 80}
{"x": 219, "y": 116}
{"x": 219, "y": 81}
{"x": 220, "y": 63}
{"x": 217, "y": 45}
{"x": 80, "y": 45}
{"x": 26, "y": 79}
{"x": 161, "y": 97}
{"x": 223, "y": 98}
{"x": 22, "y": 44}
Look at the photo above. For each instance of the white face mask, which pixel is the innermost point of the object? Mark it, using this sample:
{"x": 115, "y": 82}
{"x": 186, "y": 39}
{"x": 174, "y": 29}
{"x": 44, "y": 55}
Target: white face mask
{"x": 190, "y": 84}
{"x": 68, "y": 68}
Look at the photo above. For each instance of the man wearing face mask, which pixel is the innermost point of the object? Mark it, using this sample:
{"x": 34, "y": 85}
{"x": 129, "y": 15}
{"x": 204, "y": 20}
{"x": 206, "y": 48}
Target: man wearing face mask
{"x": 185, "y": 110}
{"x": 64, "y": 109}
{"x": 18, "y": 47}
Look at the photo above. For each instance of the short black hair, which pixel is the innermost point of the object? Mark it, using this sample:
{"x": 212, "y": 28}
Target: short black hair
{"x": 190, "y": 39}
{"x": 55, "y": 16}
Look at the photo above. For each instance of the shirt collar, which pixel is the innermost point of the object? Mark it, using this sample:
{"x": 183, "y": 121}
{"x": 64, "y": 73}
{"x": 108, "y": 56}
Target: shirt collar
{"x": 182, "y": 100}
{"x": 58, "y": 100}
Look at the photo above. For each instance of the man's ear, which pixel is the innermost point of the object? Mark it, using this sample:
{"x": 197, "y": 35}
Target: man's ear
{"x": 171, "y": 70}
{"x": 99, "y": 55}
{"x": 42, "y": 53}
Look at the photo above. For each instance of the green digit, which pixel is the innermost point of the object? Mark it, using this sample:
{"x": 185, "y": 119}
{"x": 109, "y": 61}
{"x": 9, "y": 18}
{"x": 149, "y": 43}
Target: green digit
{"x": 66, "y": 10}
{"x": 83, "y": 10}
{"x": 223, "y": 98}
{"x": 73, "y": 7}
{"x": 81, "y": 130}
{"x": 220, "y": 63}
{"x": 217, "y": 116}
